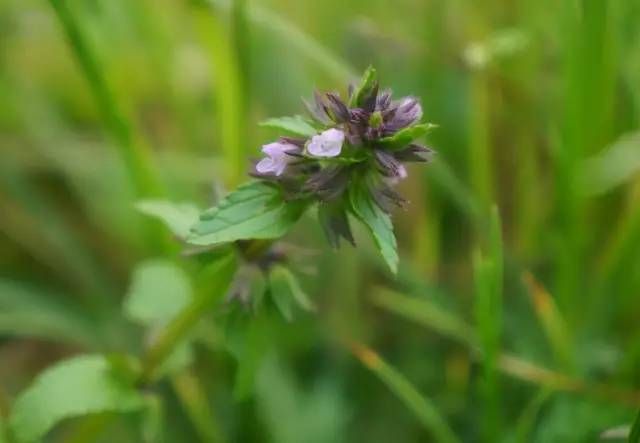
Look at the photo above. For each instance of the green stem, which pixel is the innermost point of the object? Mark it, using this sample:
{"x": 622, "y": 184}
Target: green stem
{"x": 178, "y": 329}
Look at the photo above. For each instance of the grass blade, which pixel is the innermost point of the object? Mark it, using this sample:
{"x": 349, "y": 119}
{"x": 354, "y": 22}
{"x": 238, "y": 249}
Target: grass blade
{"x": 634, "y": 436}
{"x": 552, "y": 321}
{"x": 294, "y": 36}
{"x": 134, "y": 154}
{"x": 423, "y": 409}
{"x": 488, "y": 311}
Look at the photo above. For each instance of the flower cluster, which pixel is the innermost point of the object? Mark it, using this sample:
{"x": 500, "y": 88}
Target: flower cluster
{"x": 365, "y": 138}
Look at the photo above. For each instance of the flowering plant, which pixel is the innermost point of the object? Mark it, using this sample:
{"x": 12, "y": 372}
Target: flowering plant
{"x": 346, "y": 158}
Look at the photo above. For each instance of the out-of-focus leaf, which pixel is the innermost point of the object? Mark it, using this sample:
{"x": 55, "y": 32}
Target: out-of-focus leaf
{"x": 27, "y": 310}
{"x": 613, "y": 166}
{"x": 377, "y": 222}
{"x": 78, "y": 386}
{"x": 502, "y": 44}
{"x": 285, "y": 291}
{"x": 405, "y": 136}
{"x": 314, "y": 416}
{"x": 296, "y": 125}
{"x": 178, "y": 217}
{"x": 255, "y": 210}
{"x": 367, "y": 83}
{"x": 159, "y": 290}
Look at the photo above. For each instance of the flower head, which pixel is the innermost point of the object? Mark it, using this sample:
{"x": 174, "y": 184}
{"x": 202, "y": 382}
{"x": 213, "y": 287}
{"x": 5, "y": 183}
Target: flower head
{"x": 354, "y": 145}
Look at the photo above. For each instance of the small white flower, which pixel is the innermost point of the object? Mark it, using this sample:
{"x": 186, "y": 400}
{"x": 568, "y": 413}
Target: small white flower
{"x": 277, "y": 159}
{"x": 326, "y": 144}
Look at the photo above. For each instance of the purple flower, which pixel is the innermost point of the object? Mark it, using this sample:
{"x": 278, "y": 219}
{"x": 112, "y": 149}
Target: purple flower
{"x": 326, "y": 144}
{"x": 277, "y": 158}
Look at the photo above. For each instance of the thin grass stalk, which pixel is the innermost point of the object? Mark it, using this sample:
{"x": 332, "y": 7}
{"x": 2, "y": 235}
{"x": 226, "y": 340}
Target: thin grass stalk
{"x": 226, "y": 80}
{"x": 429, "y": 315}
{"x": 133, "y": 152}
{"x": 421, "y": 407}
{"x": 488, "y": 311}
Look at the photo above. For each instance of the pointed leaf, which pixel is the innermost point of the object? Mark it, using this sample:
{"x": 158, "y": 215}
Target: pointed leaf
{"x": 79, "y": 386}
{"x": 377, "y": 222}
{"x": 256, "y": 210}
{"x": 296, "y": 125}
{"x": 364, "y": 88}
{"x": 178, "y": 217}
{"x": 405, "y": 136}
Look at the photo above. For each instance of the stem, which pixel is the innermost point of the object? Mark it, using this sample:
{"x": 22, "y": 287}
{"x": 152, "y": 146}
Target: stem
{"x": 179, "y": 327}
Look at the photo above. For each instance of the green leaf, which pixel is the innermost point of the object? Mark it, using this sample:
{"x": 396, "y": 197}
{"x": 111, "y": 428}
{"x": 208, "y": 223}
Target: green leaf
{"x": 27, "y": 310}
{"x": 256, "y": 210}
{"x": 79, "y": 386}
{"x": 367, "y": 84}
{"x": 488, "y": 309}
{"x": 296, "y": 125}
{"x": 377, "y": 222}
{"x": 158, "y": 291}
{"x": 286, "y": 289}
{"x": 405, "y": 136}
{"x": 178, "y": 217}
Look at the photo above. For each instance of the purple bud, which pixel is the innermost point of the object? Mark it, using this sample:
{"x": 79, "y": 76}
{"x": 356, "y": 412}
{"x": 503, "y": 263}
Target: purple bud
{"x": 317, "y": 109}
{"x": 326, "y": 144}
{"x": 389, "y": 166}
{"x": 414, "y": 153}
{"x": 337, "y": 108}
{"x": 384, "y": 100}
{"x": 406, "y": 112}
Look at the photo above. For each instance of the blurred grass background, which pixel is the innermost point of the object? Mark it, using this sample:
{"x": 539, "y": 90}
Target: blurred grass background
{"x": 516, "y": 324}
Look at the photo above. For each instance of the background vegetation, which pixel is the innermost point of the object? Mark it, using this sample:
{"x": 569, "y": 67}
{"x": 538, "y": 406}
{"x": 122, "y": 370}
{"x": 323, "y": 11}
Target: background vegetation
{"x": 513, "y": 324}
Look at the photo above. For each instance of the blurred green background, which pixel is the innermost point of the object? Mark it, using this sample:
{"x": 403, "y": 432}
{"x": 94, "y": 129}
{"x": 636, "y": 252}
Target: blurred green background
{"x": 105, "y": 102}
